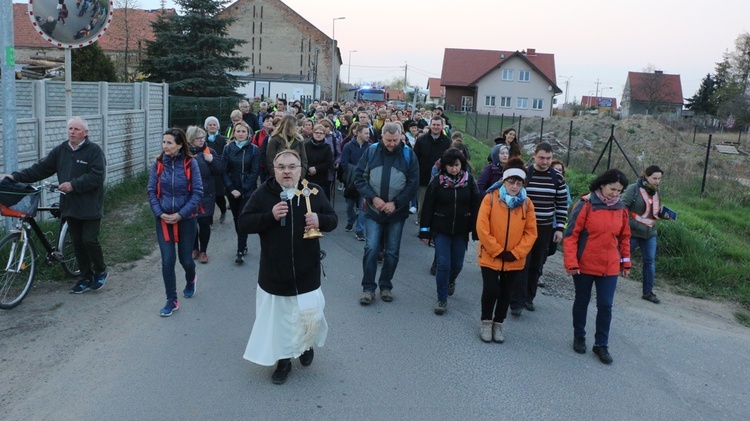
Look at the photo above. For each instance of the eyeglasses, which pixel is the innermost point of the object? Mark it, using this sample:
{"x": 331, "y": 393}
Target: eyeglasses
{"x": 291, "y": 167}
{"x": 514, "y": 182}
{"x": 200, "y": 138}
{"x": 319, "y": 132}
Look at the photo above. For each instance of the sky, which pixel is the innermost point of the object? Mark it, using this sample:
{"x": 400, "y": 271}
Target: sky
{"x": 595, "y": 43}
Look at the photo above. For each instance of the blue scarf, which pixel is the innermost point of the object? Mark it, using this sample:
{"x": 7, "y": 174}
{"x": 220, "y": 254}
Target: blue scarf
{"x": 513, "y": 201}
{"x": 240, "y": 144}
{"x": 211, "y": 137}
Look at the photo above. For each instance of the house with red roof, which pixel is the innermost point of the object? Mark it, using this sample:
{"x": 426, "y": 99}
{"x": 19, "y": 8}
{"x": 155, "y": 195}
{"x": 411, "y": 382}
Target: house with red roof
{"x": 129, "y": 31}
{"x": 500, "y": 82}
{"x": 652, "y": 93}
{"x": 436, "y": 91}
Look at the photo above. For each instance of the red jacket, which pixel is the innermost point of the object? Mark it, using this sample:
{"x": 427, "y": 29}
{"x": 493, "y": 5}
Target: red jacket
{"x": 597, "y": 240}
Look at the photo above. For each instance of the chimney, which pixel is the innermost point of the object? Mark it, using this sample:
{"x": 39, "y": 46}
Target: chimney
{"x": 659, "y": 72}
{"x": 531, "y": 51}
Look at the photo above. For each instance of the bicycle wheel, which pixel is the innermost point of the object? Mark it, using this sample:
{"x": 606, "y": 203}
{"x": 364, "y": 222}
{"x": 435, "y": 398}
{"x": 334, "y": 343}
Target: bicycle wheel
{"x": 17, "y": 269}
{"x": 68, "y": 261}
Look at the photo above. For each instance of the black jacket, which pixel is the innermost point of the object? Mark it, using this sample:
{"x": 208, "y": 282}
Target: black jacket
{"x": 428, "y": 151}
{"x": 84, "y": 168}
{"x": 450, "y": 211}
{"x": 289, "y": 264}
{"x": 242, "y": 168}
{"x": 208, "y": 170}
{"x": 319, "y": 155}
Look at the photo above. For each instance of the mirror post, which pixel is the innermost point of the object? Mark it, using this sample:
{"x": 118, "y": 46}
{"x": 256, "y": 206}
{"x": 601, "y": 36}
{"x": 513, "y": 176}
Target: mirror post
{"x": 68, "y": 85}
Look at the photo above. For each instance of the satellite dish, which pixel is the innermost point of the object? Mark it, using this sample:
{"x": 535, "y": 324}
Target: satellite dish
{"x": 71, "y": 23}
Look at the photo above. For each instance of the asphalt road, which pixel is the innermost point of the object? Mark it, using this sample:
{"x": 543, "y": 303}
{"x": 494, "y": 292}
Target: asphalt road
{"x": 108, "y": 355}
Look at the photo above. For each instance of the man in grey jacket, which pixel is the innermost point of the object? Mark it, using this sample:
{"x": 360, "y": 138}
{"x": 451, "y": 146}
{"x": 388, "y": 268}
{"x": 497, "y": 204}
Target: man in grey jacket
{"x": 386, "y": 177}
{"x": 80, "y": 168}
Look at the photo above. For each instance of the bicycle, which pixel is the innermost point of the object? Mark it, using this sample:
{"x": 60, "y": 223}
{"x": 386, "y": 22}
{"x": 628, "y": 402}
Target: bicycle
{"x": 18, "y": 252}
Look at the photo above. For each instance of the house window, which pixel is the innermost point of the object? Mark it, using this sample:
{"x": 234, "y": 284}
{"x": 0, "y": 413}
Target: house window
{"x": 522, "y": 103}
{"x": 507, "y": 74}
{"x": 489, "y": 101}
{"x": 537, "y": 104}
{"x": 505, "y": 101}
{"x": 524, "y": 75}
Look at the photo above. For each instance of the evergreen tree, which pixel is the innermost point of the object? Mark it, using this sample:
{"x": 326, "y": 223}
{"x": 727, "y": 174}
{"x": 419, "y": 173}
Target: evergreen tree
{"x": 90, "y": 64}
{"x": 704, "y": 101}
{"x": 192, "y": 52}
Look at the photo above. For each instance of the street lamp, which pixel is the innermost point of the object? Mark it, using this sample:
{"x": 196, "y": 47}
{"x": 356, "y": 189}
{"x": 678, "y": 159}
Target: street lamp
{"x": 590, "y": 93}
{"x": 333, "y": 58}
{"x": 349, "y": 75}
{"x": 604, "y": 89}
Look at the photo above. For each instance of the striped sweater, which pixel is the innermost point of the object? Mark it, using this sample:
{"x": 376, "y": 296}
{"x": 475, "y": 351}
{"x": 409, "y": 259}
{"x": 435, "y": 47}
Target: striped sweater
{"x": 549, "y": 203}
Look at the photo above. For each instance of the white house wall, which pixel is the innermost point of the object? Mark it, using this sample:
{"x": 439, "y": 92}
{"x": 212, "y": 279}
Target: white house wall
{"x": 493, "y": 85}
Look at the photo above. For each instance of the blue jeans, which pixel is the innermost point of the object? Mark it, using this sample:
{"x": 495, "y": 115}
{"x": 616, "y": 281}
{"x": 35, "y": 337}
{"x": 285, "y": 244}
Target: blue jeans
{"x": 392, "y": 231}
{"x": 450, "y": 251}
{"x": 353, "y": 217}
{"x": 648, "y": 253}
{"x": 605, "y": 295}
{"x": 186, "y": 230}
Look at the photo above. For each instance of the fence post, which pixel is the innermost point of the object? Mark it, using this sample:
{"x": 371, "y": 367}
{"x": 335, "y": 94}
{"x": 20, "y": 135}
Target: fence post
{"x": 502, "y": 123}
{"x": 476, "y": 123}
{"x": 541, "y": 130}
{"x": 705, "y": 166}
{"x": 570, "y": 140}
{"x": 487, "y": 128}
{"x": 104, "y": 110}
{"x": 519, "y": 128}
{"x": 146, "y": 122}
{"x": 695, "y": 131}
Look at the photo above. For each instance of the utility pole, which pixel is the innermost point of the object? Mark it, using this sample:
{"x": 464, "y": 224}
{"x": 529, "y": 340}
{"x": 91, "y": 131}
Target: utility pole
{"x": 406, "y": 69}
{"x": 8, "y": 58}
{"x": 567, "y": 83}
{"x": 597, "y": 88}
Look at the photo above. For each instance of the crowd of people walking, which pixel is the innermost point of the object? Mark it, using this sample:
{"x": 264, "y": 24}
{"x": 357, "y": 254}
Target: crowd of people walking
{"x": 279, "y": 172}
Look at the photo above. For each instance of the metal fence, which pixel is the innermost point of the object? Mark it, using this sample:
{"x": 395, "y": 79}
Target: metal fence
{"x": 191, "y": 111}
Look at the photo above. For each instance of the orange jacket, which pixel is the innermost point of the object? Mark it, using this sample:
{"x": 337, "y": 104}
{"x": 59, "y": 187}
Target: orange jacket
{"x": 597, "y": 240}
{"x": 500, "y": 228}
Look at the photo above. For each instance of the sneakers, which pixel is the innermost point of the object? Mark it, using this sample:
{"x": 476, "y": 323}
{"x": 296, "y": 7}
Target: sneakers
{"x": 240, "y": 259}
{"x": 366, "y": 298}
{"x": 307, "y": 357}
{"x": 441, "y": 307}
{"x": 485, "y": 332}
{"x": 451, "y": 288}
{"x": 529, "y": 306}
{"x": 579, "y": 345}
{"x": 516, "y": 311}
{"x": 169, "y": 308}
{"x": 195, "y": 254}
{"x": 497, "y": 333}
{"x": 203, "y": 257}
{"x": 223, "y": 217}
{"x": 651, "y": 297}
{"x": 189, "y": 290}
{"x": 360, "y": 236}
{"x": 283, "y": 367}
{"x": 413, "y": 210}
{"x": 99, "y": 280}
{"x": 82, "y": 285}
{"x": 349, "y": 228}
{"x": 386, "y": 295}
{"x": 602, "y": 351}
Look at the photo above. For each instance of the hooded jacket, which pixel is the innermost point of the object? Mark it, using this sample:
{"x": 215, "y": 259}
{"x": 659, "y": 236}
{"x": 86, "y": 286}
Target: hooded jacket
{"x": 242, "y": 168}
{"x": 500, "y": 228}
{"x": 176, "y": 195}
{"x": 597, "y": 240}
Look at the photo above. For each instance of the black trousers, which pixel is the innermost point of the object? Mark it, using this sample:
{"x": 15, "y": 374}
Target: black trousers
{"x": 236, "y": 205}
{"x": 496, "y": 290}
{"x": 524, "y": 289}
{"x": 85, "y": 236}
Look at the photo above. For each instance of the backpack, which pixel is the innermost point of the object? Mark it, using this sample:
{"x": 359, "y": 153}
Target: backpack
{"x": 371, "y": 154}
{"x": 188, "y": 175}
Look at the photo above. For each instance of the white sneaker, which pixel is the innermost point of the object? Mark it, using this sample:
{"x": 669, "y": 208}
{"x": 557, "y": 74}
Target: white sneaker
{"x": 413, "y": 209}
{"x": 485, "y": 332}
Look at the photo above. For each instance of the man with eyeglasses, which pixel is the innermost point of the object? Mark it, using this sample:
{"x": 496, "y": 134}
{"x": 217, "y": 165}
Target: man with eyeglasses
{"x": 386, "y": 177}
{"x": 248, "y": 116}
{"x": 546, "y": 188}
{"x": 80, "y": 166}
{"x": 289, "y": 303}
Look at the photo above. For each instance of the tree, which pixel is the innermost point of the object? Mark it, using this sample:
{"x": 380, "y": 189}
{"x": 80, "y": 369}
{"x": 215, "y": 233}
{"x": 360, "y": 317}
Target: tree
{"x": 125, "y": 24}
{"x": 704, "y": 101}
{"x": 192, "y": 52}
{"x": 732, "y": 78}
{"x": 90, "y": 64}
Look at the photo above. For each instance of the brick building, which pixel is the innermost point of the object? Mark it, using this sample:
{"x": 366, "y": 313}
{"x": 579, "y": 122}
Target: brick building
{"x": 281, "y": 48}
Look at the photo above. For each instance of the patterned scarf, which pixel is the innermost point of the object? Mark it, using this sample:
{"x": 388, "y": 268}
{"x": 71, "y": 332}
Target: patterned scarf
{"x": 450, "y": 182}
